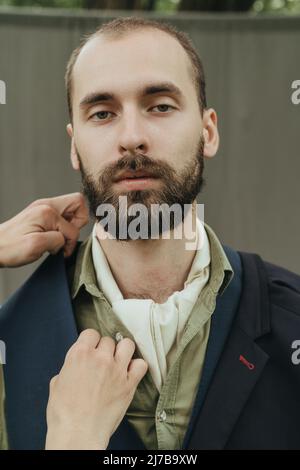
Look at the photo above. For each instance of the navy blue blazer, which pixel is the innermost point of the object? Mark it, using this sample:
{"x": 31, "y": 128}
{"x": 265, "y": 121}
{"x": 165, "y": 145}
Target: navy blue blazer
{"x": 249, "y": 393}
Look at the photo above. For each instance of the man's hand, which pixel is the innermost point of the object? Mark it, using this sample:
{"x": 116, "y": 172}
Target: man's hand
{"x": 90, "y": 395}
{"x": 46, "y": 225}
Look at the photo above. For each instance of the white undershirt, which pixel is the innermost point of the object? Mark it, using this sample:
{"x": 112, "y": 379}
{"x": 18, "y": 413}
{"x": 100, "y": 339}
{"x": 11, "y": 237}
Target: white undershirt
{"x": 156, "y": 328}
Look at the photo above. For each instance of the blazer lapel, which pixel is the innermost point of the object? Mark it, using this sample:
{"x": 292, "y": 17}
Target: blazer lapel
{"x": 38, "y": 326}
{"x": 125, "y": 438}
{"x": 241, "y": 362}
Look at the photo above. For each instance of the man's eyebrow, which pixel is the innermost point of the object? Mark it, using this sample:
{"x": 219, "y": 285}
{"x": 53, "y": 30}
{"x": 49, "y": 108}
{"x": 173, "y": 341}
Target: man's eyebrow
{"x": 151, "y": 89}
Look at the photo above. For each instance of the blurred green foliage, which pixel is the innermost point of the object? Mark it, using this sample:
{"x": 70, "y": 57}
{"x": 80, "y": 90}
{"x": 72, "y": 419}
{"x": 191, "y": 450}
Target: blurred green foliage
{"x": 45, "y": 3}
{"x": 258, "y": 6}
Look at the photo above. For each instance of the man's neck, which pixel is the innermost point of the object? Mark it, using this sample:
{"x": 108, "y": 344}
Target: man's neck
{"x": 152, "y": 269}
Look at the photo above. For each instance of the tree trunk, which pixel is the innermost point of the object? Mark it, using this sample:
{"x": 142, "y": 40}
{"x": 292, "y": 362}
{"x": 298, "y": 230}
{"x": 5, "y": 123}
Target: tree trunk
{"x": 215, "y": 5}
{"x": 114, "y": 4}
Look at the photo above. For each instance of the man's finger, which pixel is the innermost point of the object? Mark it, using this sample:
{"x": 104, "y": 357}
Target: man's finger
{"x": 124, "y": 352}
{"x": 69, "y": 231}
{"x": 70, "y": 206}
{"x": 42, "y": 242}
{"x": 107, "y": 346}
{"x": 73, "y": 208}
{"x": 54, "y": 232}
{"x": 69, "y": 247}
{"x": 53, "y": 382}
{"x": 46, "y": 220}
{"x": 89, "y": 337}
{"x": 136, "y": 371}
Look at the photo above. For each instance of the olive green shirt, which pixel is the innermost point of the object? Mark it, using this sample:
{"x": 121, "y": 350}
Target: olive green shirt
{"x": 160, "y": 419}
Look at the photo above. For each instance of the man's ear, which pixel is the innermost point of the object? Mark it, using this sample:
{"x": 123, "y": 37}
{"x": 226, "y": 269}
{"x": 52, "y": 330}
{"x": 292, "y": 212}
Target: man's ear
{"x": 74, "y": 157}
{"x": 210, "y": 133}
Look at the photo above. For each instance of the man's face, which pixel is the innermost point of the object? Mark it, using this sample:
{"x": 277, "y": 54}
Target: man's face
{"x": 136, "y": 132}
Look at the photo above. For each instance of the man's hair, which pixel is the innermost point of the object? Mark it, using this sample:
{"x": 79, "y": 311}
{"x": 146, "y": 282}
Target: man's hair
{"x": 121, "y": 27}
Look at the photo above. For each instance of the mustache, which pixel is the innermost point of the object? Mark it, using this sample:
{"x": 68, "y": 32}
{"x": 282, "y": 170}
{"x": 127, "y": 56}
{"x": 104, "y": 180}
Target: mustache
{"x": 137, "y": 162}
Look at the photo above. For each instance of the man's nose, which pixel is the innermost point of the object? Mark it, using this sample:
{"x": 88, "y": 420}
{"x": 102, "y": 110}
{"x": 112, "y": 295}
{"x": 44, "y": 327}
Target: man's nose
{"x": 133, "y": 134}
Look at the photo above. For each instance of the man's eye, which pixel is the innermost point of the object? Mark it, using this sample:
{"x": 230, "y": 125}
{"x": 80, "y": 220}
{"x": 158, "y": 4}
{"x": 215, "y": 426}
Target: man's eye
{"x": 164, "y": 106}
{"x": 101, "y": 115}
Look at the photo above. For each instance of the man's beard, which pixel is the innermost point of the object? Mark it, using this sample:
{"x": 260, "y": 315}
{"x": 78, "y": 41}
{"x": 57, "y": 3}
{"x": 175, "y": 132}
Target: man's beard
{"x": 180, "y": 188}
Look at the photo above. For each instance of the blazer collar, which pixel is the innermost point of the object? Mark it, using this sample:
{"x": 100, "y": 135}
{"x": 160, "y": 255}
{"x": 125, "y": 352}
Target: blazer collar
{"x": 241, "y": 362}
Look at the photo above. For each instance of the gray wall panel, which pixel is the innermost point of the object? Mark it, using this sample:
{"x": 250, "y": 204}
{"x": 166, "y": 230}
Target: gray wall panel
{"x": 252, "y": 192}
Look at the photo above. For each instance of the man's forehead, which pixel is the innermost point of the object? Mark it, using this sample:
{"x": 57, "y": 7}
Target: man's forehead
{"x": 142, "y": 42}
{"x": 142, "y": 53}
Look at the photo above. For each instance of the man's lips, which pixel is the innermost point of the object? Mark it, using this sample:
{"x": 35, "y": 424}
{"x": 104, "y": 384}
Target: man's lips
{"x": 128, "y": 175}
{"x": 136, "y": 179}
{"x": 136, "y": 184}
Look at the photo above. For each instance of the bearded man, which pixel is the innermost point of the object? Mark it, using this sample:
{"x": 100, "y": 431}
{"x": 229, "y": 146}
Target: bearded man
{"x": 215, "y": 326}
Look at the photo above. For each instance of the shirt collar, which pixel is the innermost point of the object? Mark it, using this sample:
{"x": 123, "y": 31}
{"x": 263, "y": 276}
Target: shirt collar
{"x": 219, "y": 263}
{"x": 85, "y": 274}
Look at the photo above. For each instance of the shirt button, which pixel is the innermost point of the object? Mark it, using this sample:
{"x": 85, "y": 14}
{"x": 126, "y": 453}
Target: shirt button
{"x": 162, "y": 416}
{"x": 118, "y": 336}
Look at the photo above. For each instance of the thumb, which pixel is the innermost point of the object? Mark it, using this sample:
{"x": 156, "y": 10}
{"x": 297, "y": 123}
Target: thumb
{"x": 51, "y": 241}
